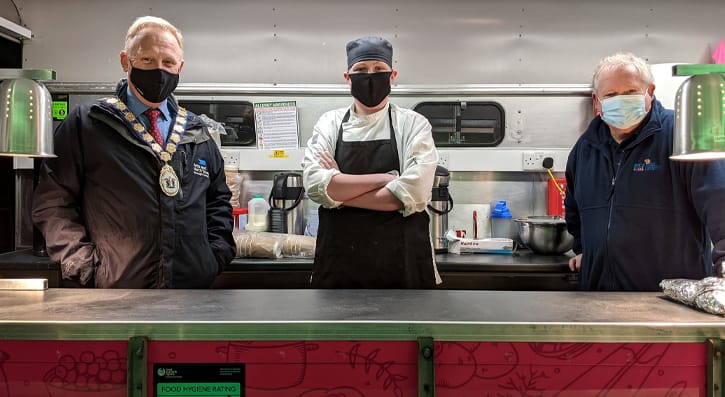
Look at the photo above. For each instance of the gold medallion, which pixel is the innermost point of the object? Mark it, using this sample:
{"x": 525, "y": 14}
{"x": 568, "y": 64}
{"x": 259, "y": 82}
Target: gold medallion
{"x": 169, "y": 181}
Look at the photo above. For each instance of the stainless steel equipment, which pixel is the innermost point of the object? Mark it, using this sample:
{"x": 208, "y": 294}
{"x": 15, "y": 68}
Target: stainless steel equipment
{"x": 287, "y": 212}
{"x": 699, "y": 127}
{"x": 26, "y": 130}
{"x": 545, "y": 234}
{"x": 26, "y": 118}
{"x": 441, "y": 204}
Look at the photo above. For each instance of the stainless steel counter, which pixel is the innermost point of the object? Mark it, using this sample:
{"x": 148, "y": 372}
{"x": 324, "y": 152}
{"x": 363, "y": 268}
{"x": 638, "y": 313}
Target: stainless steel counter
{"x": 521, "y": 261}
{"x": 524, "y": 270}
{"x": 83, "y": 314}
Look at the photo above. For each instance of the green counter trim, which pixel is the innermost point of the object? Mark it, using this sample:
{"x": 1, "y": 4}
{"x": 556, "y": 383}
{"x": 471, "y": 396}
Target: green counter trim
{"x": 549, "y": 332}
{"x": 136, "y": 380}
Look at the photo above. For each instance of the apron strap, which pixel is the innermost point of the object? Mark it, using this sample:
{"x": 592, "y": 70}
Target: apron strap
{"x": 393, "y": 142}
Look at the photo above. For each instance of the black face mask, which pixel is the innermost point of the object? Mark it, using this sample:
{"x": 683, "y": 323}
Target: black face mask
{"x": 370, "y": 88}
{"x": 154, "y": 85}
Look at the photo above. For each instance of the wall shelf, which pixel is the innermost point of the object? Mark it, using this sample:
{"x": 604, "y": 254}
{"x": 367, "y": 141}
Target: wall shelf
{"x": 464, "y": 159}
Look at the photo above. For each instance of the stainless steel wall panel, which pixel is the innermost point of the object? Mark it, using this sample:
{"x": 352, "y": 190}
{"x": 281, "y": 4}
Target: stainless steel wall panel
{"x": 546, "y": 116}
{"x": 451, "y": 42}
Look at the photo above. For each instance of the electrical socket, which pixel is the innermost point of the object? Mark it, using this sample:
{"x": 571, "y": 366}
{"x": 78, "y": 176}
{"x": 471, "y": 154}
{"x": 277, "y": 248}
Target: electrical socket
{"x": 533, "y": 160}
{"x": 443, "y": 159}
{"x": 231, "y": 158}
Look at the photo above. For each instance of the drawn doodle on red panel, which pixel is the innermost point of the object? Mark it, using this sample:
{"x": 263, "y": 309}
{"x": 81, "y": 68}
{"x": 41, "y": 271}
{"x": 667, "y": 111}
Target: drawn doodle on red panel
{"x": 5, "y": 390}
{"x": 526, "y": 383}
{"x": 382, "y": 369}
{"x": 474, "y": 360}
{"x": 87, "y": 373}
{"x": 626, "y": 368}
{"x": 560, "y": 351}
{"x": 333, "y": 392}
{"x": 287, "y": 361}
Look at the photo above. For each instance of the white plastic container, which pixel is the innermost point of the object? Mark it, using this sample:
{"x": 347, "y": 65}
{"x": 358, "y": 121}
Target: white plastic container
{"x": 240, "y": 219}
{"x": 258, "y": 218}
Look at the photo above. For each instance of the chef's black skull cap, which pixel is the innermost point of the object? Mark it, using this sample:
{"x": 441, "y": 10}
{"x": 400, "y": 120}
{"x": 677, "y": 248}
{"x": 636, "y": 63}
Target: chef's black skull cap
{"x": 369, "y": 48}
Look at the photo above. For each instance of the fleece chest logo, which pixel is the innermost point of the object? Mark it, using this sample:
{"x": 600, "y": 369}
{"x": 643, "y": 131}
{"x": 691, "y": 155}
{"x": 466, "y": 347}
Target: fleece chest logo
{"x": 646, "y": 165}
{"x": 200, "y": 168}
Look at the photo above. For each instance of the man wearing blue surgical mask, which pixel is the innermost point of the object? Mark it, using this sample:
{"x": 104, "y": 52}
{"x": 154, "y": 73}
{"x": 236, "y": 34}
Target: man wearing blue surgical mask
{"x": 636, "y": 216}
{"x": 370, "y": 166}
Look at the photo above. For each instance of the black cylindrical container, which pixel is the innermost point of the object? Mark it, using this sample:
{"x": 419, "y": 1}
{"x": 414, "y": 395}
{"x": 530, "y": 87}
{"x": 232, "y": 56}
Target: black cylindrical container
{"x": 441, "y": 203}
{"x": 287, "y": 214}
{"x": 38, "y": 239}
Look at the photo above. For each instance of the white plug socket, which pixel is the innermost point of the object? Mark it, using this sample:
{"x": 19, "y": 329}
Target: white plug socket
{"x": 444, "y": 159}
{"x": 533, "y": 160}
{"x": 231, "y": 158}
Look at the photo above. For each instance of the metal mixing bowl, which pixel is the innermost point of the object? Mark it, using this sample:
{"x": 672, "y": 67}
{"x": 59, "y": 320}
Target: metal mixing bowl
{"x": 545, "y": 234}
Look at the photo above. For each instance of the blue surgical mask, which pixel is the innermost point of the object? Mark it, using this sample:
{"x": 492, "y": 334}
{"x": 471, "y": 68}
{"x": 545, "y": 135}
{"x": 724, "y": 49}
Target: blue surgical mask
{"x": 623, "y": 111}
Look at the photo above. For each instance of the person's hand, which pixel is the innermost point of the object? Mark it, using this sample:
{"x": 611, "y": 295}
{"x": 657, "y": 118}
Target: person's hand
{"x": 327, "y": 161}
{"x": 575, "y": 263}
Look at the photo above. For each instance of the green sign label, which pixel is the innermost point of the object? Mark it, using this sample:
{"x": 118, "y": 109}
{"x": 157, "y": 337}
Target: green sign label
{"x": 275, "y": 104}
{"x": 199, "y": 389}
{"x": 199, "y": 380}
{"x": 60, "y": 110}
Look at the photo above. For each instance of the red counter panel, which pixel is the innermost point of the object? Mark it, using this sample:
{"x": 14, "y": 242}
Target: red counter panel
{"x": 369, "y": 368}
{"x": 63, "y": 368}
{"x": 570, "y": 369}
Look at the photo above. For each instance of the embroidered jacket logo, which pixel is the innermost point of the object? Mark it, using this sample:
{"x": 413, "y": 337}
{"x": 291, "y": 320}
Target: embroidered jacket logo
{"x": 645, "y": 166}
{"x": 200, "y": 168}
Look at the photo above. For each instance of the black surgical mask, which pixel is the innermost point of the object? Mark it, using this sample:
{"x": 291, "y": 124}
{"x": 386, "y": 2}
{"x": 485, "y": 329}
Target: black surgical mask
{"x": 370, "y": 88}
{"x": 154, "y": 85}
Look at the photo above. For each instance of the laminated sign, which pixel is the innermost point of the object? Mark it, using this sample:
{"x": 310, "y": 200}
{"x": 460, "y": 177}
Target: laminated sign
{"x": 277, "y": 125}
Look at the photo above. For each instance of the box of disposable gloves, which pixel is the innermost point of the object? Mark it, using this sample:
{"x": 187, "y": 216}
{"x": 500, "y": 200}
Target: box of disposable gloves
{"x": 460, "y": 245}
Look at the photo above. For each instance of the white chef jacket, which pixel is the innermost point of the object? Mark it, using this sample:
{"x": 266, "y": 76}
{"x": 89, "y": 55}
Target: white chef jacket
{"x": 416, "y": 151}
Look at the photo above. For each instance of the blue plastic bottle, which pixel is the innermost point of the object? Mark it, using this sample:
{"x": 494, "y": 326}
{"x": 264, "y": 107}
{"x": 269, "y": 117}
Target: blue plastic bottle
{"x": 502, "y": 221}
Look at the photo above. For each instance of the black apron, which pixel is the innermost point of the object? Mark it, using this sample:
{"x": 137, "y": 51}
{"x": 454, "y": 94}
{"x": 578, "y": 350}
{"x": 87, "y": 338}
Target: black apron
{"x": 360, "y": 248}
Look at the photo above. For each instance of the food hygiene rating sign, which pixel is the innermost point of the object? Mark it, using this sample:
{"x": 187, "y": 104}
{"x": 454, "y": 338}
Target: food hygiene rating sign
{"x": 197, "y": 380}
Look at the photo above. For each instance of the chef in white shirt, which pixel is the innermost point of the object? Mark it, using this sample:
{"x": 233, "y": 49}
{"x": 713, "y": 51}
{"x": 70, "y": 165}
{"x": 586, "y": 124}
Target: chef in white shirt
{"x": 370, "y": 166}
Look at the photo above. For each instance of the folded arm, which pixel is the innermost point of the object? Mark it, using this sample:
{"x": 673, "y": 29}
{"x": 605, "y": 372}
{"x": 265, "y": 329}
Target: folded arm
{"x": 419, "y": 159}
{"x": 344, "y": 187}
{"x": 379, "y": 199}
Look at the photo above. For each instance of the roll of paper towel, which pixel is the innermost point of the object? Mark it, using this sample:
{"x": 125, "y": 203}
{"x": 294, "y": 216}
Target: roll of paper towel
{"x": 470, "y": 220}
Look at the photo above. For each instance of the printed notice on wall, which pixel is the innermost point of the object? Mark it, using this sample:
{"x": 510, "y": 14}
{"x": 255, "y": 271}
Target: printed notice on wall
{"x": 277, "y": 126}
{"x": 199, "y": 380}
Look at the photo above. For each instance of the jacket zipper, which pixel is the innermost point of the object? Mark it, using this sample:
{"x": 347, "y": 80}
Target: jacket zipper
{"x": 611, "y": 195}
{"x": 181, "y": 174}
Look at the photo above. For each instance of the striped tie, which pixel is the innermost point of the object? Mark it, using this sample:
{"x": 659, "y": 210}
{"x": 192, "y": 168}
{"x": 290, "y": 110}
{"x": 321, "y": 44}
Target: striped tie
{"x": 153, "y": 115}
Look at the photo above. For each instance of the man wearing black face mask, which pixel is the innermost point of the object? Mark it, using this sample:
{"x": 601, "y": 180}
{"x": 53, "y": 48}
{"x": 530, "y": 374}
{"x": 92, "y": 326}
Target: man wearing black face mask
{"x": 137, "y": 196}
{"x": 370, "y": 166}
